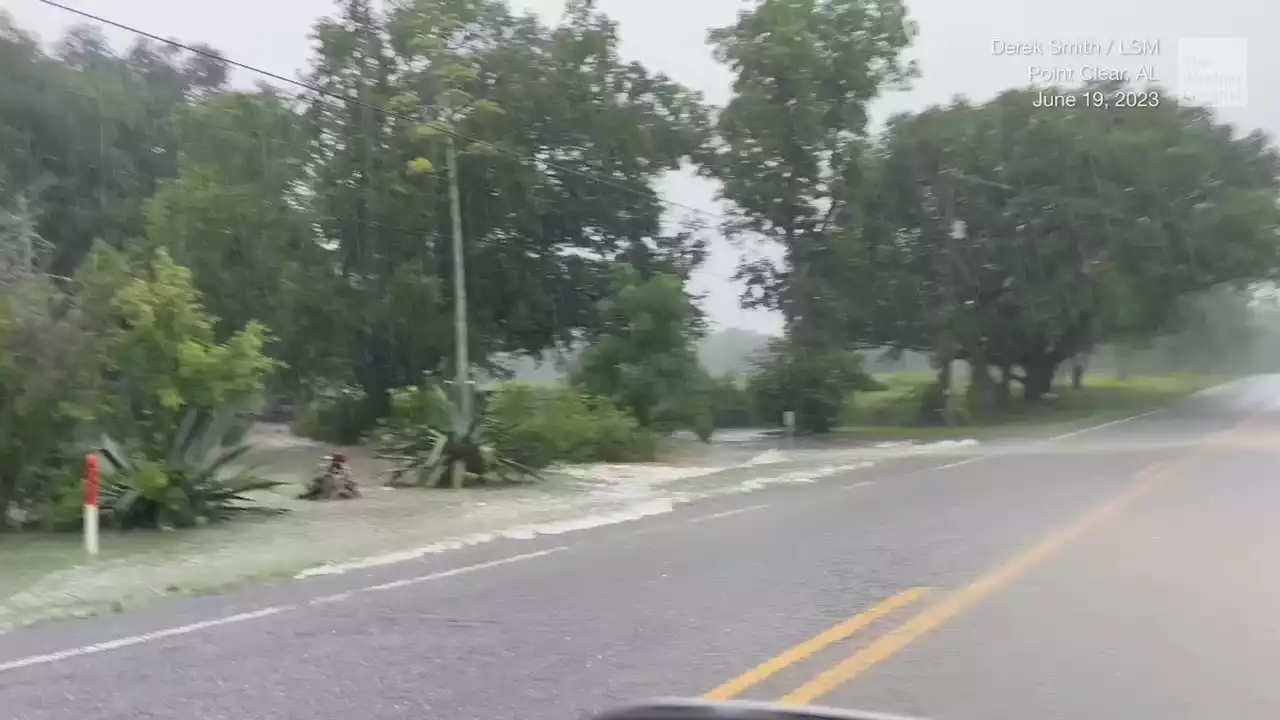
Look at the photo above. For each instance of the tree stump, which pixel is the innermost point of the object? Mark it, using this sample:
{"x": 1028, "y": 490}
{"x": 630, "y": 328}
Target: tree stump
{"x": 332, "y": 481}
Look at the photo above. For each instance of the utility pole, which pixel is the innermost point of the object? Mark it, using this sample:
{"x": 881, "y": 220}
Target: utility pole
{"x": 462, "y": 360}
{"x": 955, "y": 232}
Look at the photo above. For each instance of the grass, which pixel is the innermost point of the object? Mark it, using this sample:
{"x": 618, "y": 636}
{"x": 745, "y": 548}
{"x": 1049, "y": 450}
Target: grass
{"x": 891, "y": 413}
{"x": 49, "y": 577}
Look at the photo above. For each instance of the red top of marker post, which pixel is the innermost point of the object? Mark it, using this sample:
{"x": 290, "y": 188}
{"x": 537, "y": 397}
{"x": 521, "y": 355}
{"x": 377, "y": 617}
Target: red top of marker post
{"x": 92, "y": 480}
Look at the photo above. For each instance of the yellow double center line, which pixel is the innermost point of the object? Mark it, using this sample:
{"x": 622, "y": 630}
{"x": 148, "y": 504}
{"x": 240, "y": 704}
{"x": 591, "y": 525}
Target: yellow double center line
{"x": 948, "y": 607}
{"x": 813, "y": 645}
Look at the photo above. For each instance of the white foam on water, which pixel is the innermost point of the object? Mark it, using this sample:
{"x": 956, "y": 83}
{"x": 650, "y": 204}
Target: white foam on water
{"x": 635, "y": 512}
{"x": 916, "y": 447}
{"x": 518, "y": 532}
{"x": 666, "y": 503}
{"x": 641, "y": 491}
{"x": 657, "y": 473}
{"x": 641, "y": 472}
{"x": 397, "y": 557}
{"x": 768, "y": 457}
{"x": 949, "y": 444}
{"x": 803, "y": 477}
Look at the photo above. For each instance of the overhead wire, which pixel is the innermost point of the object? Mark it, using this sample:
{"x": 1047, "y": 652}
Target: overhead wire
{"x": 342, "y": 97}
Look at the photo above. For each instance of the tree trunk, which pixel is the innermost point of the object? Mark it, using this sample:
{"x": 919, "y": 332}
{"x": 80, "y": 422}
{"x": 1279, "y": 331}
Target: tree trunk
{"x": 1038, "y": 381}
{"x": 981, "y": 397}
{"x": 1123, "y": 361}
{"x": 1077, "y": 373}
{"x": 1004, "y": 390}
{"x": 940, "y": 407}
{"x": 813, "y": 417}
{"x": 376, "y": 381}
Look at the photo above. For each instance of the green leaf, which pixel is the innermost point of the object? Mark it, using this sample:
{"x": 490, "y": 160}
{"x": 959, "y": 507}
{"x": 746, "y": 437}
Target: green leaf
{"x": 404, "y": 102}
{"x": 482, "y": 150}
{"x": 428, "y": 131}
{"x": 419, "y": 166}
{"x": 487, "y": 107}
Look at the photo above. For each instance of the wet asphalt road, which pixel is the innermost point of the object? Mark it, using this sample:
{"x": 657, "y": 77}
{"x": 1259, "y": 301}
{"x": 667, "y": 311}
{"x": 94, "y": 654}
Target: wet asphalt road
{"x": 1068, "y": 580}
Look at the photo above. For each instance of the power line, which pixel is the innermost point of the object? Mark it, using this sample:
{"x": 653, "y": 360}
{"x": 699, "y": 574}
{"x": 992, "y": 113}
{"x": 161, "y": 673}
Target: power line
{"x": 391, "y": 113}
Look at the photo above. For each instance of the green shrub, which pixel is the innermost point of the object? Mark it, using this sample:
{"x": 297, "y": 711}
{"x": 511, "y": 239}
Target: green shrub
{"x": 545, "y": 424}
{"x": 127, "y": 347}
{"x": 197, "y": 481}
{"x": 429, "y": 442}
{"x": 160, "y": 350}
{"x": 53, "y": 499}
{"x": 612, "y": 435}
{"x": 905, "y": 400}
{"x": 340, "y": 418}
{"x": 732, "y": 404}
{"x": 704, "y": 425}
{"x": 421, "y": 405}
{"x": 48, "y": 376}
{"x": 811, "y": 382}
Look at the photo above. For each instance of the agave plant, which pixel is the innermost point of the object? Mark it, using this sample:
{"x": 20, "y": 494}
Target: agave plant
{"x": 427, "y": 456}
{"x": 197, "y": 482}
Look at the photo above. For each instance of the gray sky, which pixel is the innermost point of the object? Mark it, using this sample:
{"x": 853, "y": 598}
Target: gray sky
{"x": 954, "y": 49}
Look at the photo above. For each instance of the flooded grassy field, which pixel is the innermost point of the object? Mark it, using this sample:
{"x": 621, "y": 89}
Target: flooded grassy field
{"x": 44, "y": 577}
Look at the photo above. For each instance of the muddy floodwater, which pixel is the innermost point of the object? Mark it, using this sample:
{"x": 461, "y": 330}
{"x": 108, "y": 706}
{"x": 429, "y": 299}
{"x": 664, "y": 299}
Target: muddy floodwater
{"x": 43, "y": 577}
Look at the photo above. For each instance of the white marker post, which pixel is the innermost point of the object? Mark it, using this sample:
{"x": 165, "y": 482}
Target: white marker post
{"x": 789, "y": 422}
{"x": 92, "y": 487}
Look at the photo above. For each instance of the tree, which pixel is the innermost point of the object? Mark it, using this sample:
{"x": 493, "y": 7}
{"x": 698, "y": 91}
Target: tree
{"x": 86, "y": 134}
{"x": 235, "y": 217}
{"x": 793, "y": 133}
{"x": 535, "y": 214}
{"x": 791, "y": 156}
{"x": 1085, "y": 226}
{"x": 645, "y": 356}
{"x": 367, "y": 213}
{"x": 559, "y": 188}
{"x": 1220, "y": 330}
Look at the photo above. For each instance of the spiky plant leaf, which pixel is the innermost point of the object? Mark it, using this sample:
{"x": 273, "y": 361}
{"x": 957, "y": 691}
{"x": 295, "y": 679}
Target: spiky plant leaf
{"x": 194, "y": 483}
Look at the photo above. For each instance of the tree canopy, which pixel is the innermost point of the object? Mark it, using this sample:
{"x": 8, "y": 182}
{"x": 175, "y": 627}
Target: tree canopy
{"x": 1083, "y": 227}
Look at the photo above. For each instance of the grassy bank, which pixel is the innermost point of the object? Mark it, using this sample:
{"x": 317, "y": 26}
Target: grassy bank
{"x": 891, "y": 413}
{"x": 47, "y": 576}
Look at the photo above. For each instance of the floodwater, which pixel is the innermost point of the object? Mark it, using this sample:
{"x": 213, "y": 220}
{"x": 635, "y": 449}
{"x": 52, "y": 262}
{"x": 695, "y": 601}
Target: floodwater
{"x": 43, "y": 577}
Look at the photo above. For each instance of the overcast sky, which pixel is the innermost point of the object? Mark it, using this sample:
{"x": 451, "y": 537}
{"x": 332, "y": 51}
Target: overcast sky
{"x": 955, "y": 50}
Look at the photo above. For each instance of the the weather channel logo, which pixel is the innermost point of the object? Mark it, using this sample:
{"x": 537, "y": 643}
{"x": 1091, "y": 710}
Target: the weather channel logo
{"x": 1213, "y": 72}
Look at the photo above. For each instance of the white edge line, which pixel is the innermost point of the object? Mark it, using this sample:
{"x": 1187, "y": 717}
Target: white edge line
{"x": 1099, "y": 426}
{"x": 142, "y": 638}
{"x": 727, "y": 513}
{"x": 958, "y": 463}
{"x": 327, "y": 599}
{"x": 131, "y": 640}
{"x": 461, "y": 570}
{"x": 1046, "y": 441}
